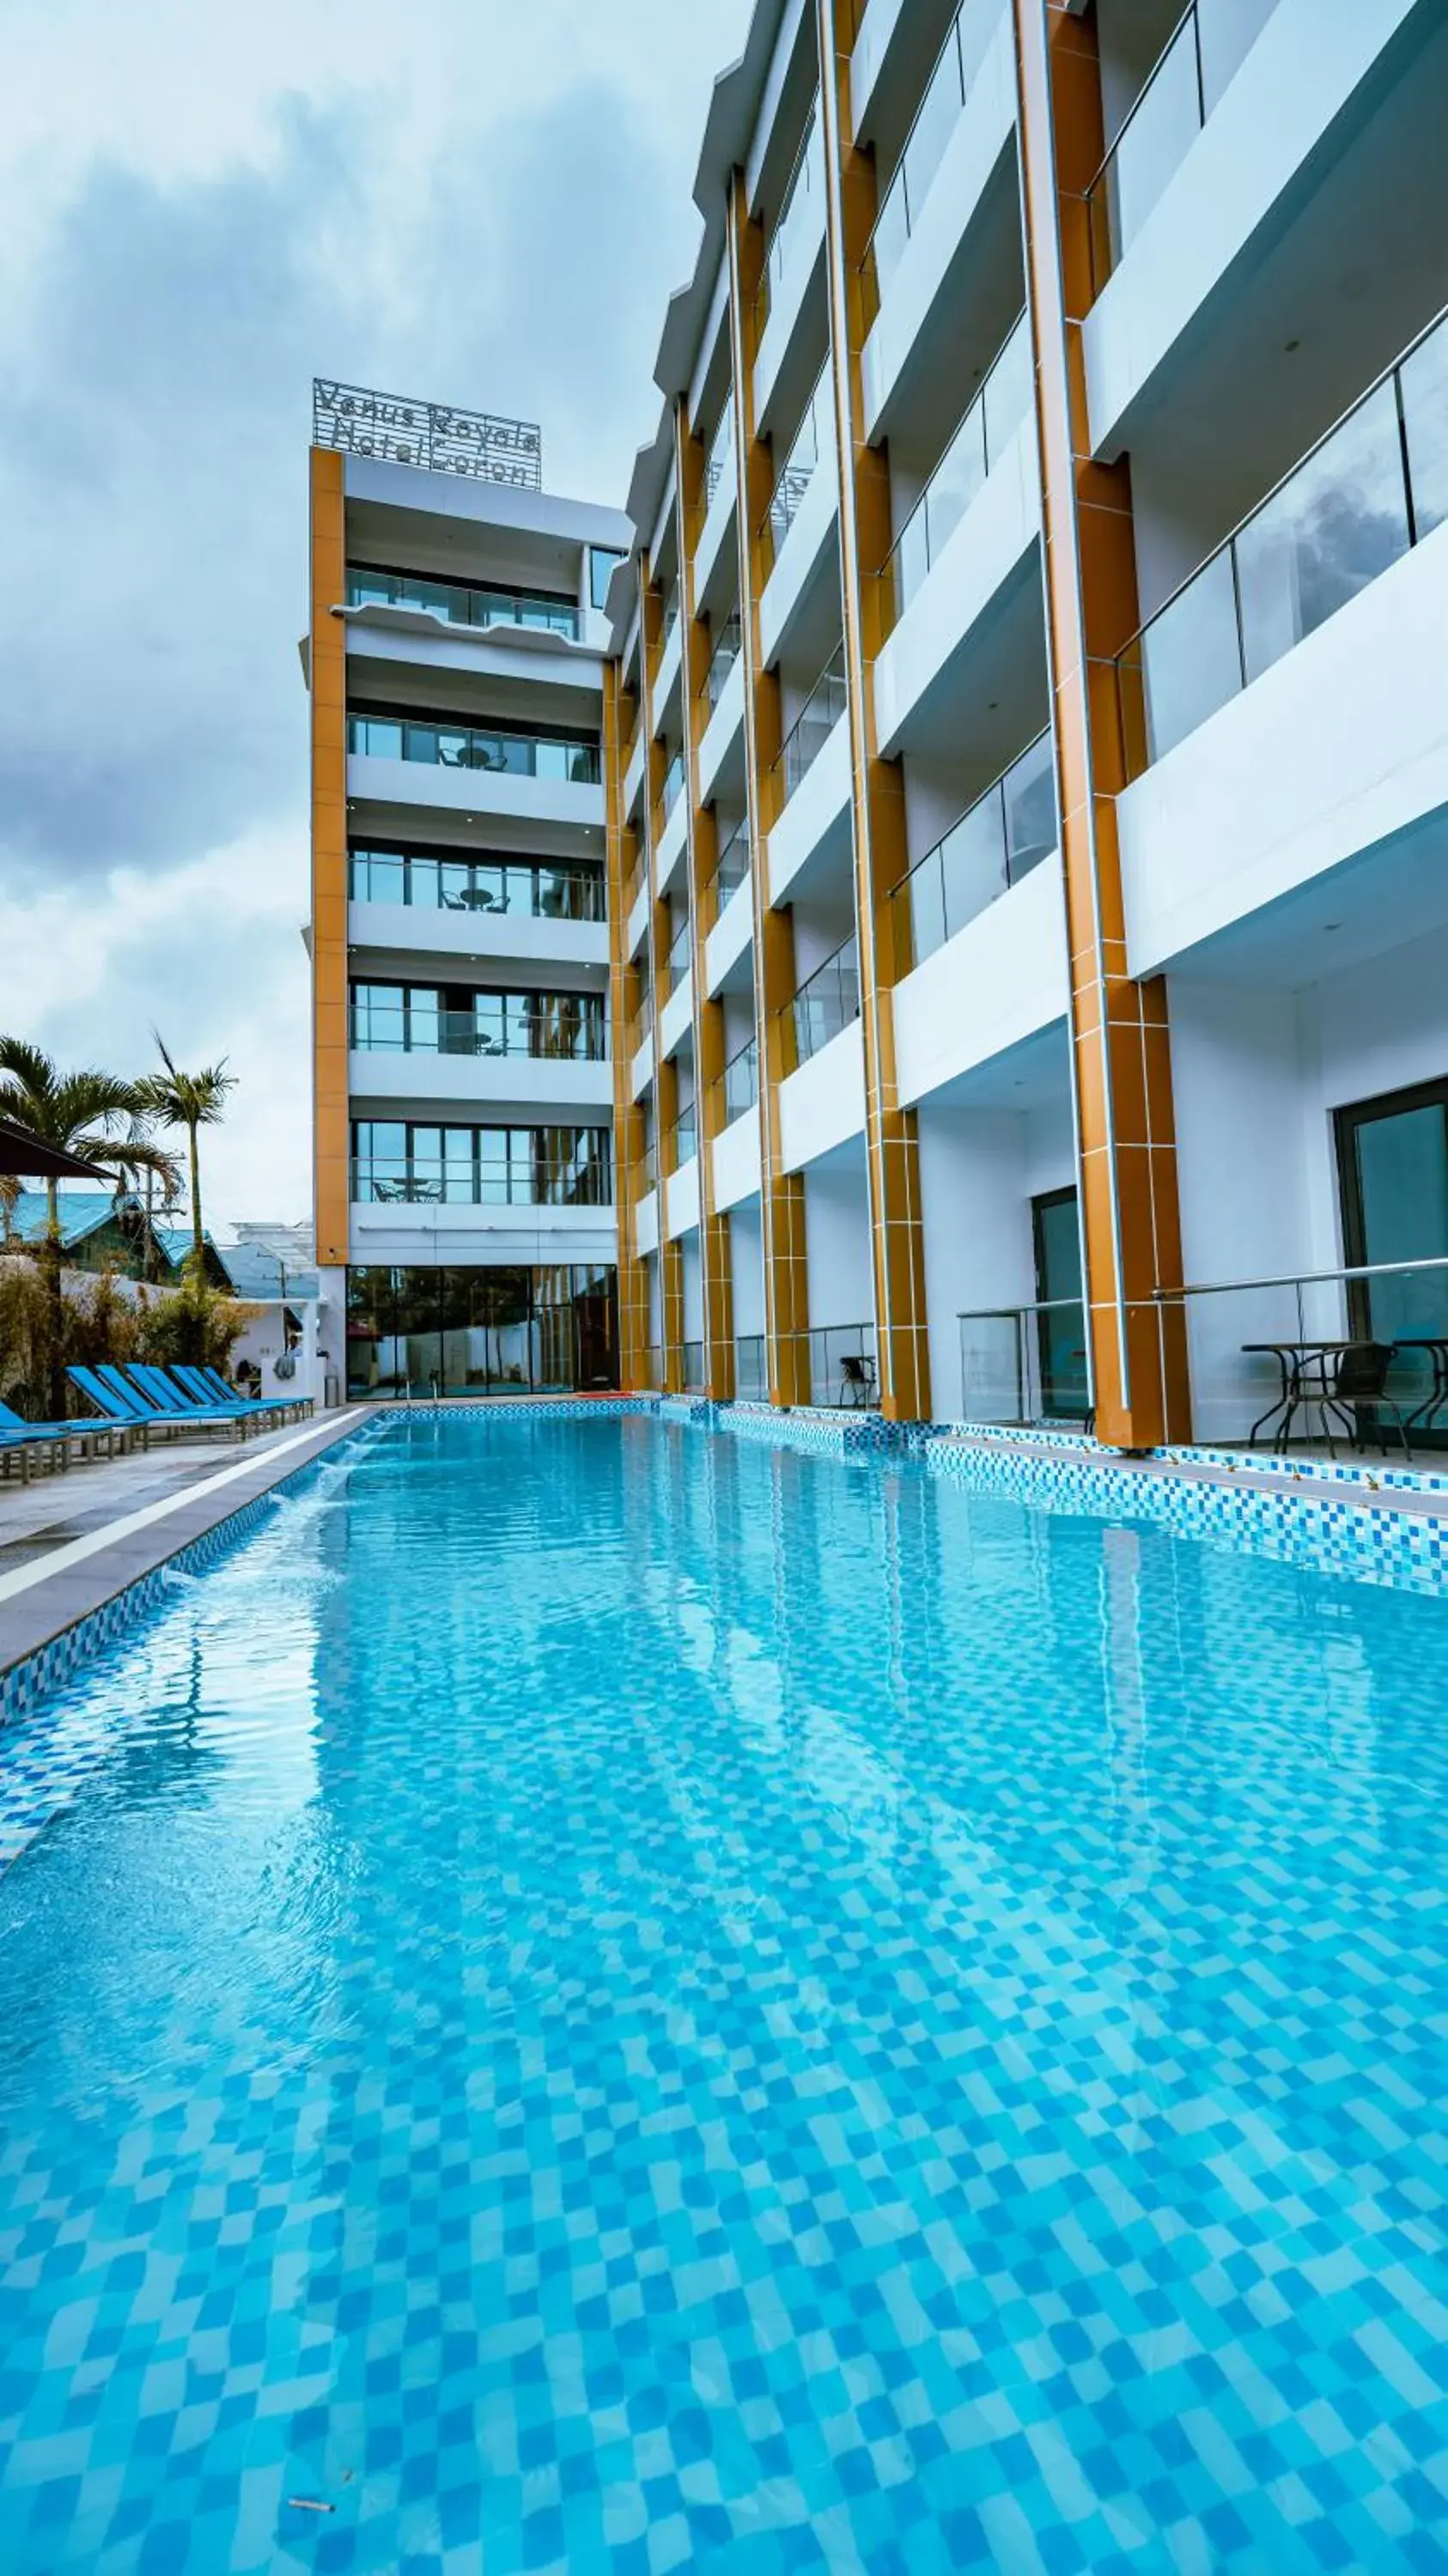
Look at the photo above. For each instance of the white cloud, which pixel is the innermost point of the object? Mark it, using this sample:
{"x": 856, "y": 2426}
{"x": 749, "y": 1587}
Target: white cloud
{"x": 202, "y": 208}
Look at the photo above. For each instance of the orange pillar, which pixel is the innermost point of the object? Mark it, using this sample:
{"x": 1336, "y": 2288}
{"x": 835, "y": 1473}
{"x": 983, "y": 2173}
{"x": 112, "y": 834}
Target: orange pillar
{"x": 892, "y": 1152}
{"x": 781, "y": 1194}
{"x": 715, "y": 1275}
{"x": 1122, "y": 1057}
{"x": 327, "y": 671}
{"x": 628, "y": 1125}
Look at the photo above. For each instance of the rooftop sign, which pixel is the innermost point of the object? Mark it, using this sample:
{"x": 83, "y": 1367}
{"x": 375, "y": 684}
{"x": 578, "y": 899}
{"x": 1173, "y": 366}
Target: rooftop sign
{"x": 433, "y": 435}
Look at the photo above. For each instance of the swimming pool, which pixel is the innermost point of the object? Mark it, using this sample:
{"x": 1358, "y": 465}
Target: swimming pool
{"x": 602, "y": 1997}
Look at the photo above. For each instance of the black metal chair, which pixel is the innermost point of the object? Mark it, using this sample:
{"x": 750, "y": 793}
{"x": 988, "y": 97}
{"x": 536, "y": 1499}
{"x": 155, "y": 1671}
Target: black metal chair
{"x": 1351, "y": 1388}
{"x": 857, "y": 1381}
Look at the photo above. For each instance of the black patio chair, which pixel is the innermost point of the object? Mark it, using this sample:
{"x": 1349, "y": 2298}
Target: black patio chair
{"x": 857, "y": 1381}
{"x": 1352, "y": 1390}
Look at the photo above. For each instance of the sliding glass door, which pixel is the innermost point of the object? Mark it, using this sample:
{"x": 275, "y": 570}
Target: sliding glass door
{"x": 1393, "y": 1167}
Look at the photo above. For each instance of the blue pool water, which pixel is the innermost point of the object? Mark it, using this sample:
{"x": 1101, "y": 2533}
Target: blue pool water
{"x": 600, "y": 1997}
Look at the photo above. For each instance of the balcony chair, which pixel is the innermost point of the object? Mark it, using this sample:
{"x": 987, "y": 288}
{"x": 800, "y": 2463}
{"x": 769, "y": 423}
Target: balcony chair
{"x": 1349, "y": 1387}
{"x": 857, "y": 1381}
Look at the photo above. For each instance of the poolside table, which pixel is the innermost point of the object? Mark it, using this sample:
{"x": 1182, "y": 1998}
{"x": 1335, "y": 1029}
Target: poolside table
{"x": 1293, "y": 1359}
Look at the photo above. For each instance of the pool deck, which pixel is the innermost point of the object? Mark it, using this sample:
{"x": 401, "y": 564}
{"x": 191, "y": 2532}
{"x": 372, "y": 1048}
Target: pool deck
{"x": 70, "y": 1542}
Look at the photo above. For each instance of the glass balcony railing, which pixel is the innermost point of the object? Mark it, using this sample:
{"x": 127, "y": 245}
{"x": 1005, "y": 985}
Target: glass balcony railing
{"x": 685, "y": 1135}
{"x": 672, "y": 788}
{"x": 991, "y": 423}
{"x": 648, "y": 1170}
{"x": 997, "y": 841}
{"x": 811, "y": 441}
{"x": 730, "y": 871}
{"x": 936, "y": 118}
{"x": 1203, "y": 52}
{"x": 842, "y": 1367}
{"x": 741, "y": 1081}
{"x": 566, "y": 1028}
{"x": 451, "y": 746}
{"x": 461, "y": 603}
{"x": 800, "y": 206}
{"x": 681, "y": 955}
{"x": 722, "y": 659}
{"x": 813, "y": 726}
{"x": 670, "y": 617}
{"x": 692, "y": 1356}
{"x": 641, "y": 1028}
{"x": 637, "y": 879}
{"x": 751, "y": 1375}
{"x": 490, "y": 1167}
{"x": 526, "y": 888}
{"x": 1375, "y": 486}
{"x": 719, "y": 459}
{"x": 826, "y": 1002}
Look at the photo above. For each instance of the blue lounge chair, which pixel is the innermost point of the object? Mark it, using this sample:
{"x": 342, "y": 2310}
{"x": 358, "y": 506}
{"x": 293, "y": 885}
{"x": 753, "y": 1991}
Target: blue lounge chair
{"x": 120, "y": 1403}
{"x": 155, "y": 1388}
{"x": 14, "y": 1428}
{"x": 213, "y": 1381}
{"x": 198, "y": 1384}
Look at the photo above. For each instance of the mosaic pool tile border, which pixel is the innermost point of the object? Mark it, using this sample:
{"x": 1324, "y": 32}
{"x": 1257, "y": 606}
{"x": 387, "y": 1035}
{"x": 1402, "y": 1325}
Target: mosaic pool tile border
{"x": 25, "y": 1683}
{"x": 1263, "y": 1462}
{"x": 519, "y": 1408}
{"x": 1405, "y": 1551}
{"x": 826, "y": 1434}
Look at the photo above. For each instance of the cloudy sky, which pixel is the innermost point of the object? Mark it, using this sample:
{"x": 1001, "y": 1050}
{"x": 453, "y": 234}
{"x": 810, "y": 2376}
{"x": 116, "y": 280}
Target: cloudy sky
{"x": 204, "y": 204}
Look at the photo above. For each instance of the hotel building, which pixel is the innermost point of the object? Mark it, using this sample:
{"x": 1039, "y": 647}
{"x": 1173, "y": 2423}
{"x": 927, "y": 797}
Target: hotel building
{"x": 1029, "y": 827}
{"x": 463, "y": 1093}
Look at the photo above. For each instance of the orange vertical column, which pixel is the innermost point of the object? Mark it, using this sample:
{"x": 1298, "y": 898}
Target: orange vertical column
{"x": 781, "y": 1193}
{"x": 1130, "y": 1224}
{"x": 666, "y": 1080}
{"x": 327, "y": 667}
{"x": 892, "y": 1151}
{"x": 715, "y": 1276}
{"x": 628, "y": 1125}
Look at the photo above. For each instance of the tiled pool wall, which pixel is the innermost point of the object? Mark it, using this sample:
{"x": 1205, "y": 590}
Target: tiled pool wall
{"x": 1370, "y": 1546}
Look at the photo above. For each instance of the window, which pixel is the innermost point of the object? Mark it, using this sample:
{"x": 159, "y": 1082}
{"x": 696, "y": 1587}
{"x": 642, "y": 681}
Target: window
{"x": 454, "y": 1330}
{"x": 603, "y": 562}
{"x": 1392, "y": 1156}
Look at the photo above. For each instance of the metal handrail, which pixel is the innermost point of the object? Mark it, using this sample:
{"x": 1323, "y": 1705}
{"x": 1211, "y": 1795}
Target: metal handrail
{"x": 832, "y": 676}
{"x": 1225, "y": 544}
{"x": 899, "y": 177}
{"x": 794, "y": 479}
{"x": 719, "y": 454}
{"x": 1013, "y": 866}
{"x": 728, "y": 645}
{"x": 842, "y": 964}
{"x": 1298, "y": 1279}
{"x": 744, "y": 1060}
{"x": 481, "y": 604}
{"x": 1127, "y": 122}
{"x": 786, "y": 206}
{"x": 680, "y": 954}
{"x": 685, "y": 1136}
{"x": 1004, "y": 1314}
{"x": 725, "y": 878}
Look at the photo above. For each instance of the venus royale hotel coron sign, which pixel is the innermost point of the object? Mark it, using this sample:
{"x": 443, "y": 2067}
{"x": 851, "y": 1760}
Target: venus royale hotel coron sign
{"x": 436, "y": 436}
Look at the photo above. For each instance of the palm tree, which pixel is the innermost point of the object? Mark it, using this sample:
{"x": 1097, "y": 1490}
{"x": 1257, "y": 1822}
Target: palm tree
{"x": 192, "y": 1101}
{"x": 78, "y": 1114}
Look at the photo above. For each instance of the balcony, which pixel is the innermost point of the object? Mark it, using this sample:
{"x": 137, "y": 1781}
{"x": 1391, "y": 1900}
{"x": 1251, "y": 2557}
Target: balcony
{"x": 676, "y": 1018}
{"x": 980, "y": 442}
{"x": 802, "y": 513}
{"x": 741, "y": 1081}
{"x": 988, "y": 972}
{"x": 822, "y": 1103}
{"x": 1269, "y": 123}
{"x": 683, "y": 1140}
{"x": 812, "y": 786}
{"x": 719, "y": 493}
{"x": 670, "y": 656}
{"x": 532, "y": 777}
{"x": 730, "y": 936}
{"x": 796, "y": 248}
{"x": 724, "y": 696}
{"x": 826, "y": 1002}
{"x": 1371, "y": 489}
{"x": 492, "y": 1167}
{"x": 641, "y": 1051}
{"x": 940, "y": 190}
{"x": 559, "y": 1027}
{"x": 997, "y": 841}
{"x": 463, "y": 604}
{"x": 671, "y": 824}
{"x": 1199, "y": 59}
{"x": 527, "y": 911}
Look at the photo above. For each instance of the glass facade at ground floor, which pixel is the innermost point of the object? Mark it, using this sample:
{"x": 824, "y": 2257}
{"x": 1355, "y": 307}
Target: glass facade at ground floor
{"x": 467, "y": 1331}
